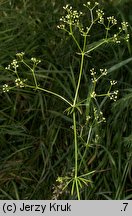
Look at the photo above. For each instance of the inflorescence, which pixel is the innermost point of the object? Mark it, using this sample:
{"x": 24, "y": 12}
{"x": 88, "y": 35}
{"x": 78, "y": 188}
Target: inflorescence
{"x": 103, "y": 72}
{"x": 13, "y": 67}
{"x": 72, "y": 18}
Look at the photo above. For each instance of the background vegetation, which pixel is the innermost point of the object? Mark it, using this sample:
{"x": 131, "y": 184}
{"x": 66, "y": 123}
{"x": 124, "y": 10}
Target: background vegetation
{"x": 35, "y": 134}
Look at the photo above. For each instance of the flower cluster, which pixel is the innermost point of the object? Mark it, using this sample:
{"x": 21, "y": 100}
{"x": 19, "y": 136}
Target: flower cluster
{"x": 101, "y": 20}
{"x": 35, "y": 61}
{"x": 13, "y": 65}
{"x": 88, "y": 117}
{"x": 20, "y": 83}
{"x": 20, "y": 55}
{"x": 113, "y": 95}
{"x": 112, "y": 20}
{"x": 58, "y": 188}
{"x": 98, "y": 116}
{"x": 57, "y": 191}
{"x": 127, "y": 37}
{"x": 103, "y": 72}
{"x": 6, "y": 88}
{"x": 113, "y": 82}
{"x": 93, "y": 72}
{"x": 93, "y": 94}
{"x": 71, "y": 18}
{"x": 61, "y": 26}
{"x": 116, "y": 39}
{"x": 124, "y": 26}
{"x": 94, "y": 79}
{"x": 88, "y": 5}
{"x": 100, "y": 15}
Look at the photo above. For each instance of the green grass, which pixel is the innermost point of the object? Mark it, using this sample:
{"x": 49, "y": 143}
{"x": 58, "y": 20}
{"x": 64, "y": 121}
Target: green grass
{"x": 36, "y": 135}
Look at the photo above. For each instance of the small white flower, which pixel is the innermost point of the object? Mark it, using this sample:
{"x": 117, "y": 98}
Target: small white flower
{"x": 8, "y": 67}
{"x": 87, "y": 4}
{"x": 65, "y": 7}
{"x": 96, "y": 3}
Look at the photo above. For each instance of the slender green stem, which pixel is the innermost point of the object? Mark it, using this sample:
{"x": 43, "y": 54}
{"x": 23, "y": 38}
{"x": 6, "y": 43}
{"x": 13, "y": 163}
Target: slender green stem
{"x": 71, "y": 32}
{"x": 78, "y": 193}
{"x": 75, "y": 143}
{"x": 74, "y": 116}
{"x": 107, "y": 30}
{"x": 34, "y": 77}
{"x": 92, "y": 19}
{"x": 50, "y": 92}
{"x": 42, "y": 89}
{"x": 86, "y": 148}
{"x": 26, "y": 64}
{"x": 33, "y": 72}
{"x": 98, "y": 45}
{"x": 79, "y": 80}
{"x": 81, "y": 70}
